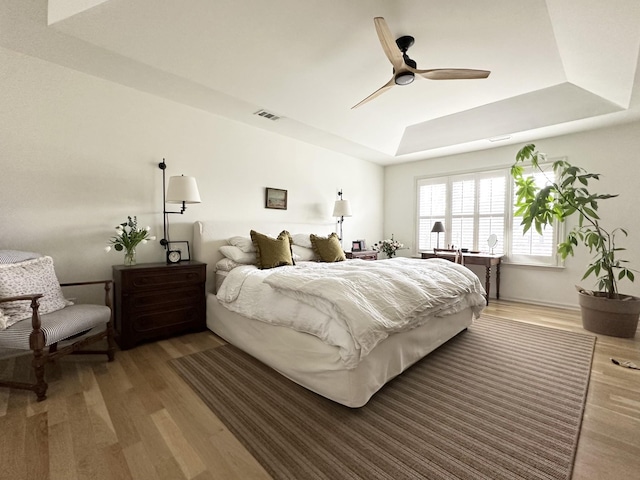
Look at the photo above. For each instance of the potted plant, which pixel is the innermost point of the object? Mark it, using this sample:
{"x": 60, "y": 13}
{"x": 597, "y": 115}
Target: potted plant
{"x": 606, "y": 311}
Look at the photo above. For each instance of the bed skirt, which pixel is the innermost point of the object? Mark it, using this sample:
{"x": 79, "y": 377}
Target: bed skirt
{"x": 308, "y": 361}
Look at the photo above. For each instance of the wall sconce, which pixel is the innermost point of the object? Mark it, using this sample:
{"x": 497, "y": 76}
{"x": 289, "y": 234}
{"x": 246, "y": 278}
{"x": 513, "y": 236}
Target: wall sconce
{"x": 341, "y": 209}
{"x": 181, "y": 190}
{"x": 438, "y": 228}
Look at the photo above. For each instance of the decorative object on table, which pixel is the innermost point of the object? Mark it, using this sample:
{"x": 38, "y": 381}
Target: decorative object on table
{"x": 275, "y": 198}
{"x": 438, "y": 228}
{"x": 358, "y": 246}
{"x": 128, "y": 236}
{"x": 389, "y": 246}
{"x": 492, "y": 241}
{"x": 607, "y": 311}
{"x": 178, "y": 252}
{"x": 181, "y": 190}
{"x": 341, "y": 209}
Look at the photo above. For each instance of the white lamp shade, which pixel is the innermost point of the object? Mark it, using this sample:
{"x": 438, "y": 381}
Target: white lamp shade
{"x": 182, "y": 189}
{"x": 342, "y": 208}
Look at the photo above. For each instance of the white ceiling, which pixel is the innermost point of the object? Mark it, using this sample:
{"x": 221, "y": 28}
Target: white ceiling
{"x": 557, "y": 66}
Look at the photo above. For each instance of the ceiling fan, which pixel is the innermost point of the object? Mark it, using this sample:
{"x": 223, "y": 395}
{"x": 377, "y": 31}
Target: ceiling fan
{"x": 404, "y": 68}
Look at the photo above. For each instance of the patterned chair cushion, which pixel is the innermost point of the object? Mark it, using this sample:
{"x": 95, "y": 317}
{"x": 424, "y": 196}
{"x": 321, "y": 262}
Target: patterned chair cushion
{"x": 29, "y": 277}
{"x": 57, "y": 325}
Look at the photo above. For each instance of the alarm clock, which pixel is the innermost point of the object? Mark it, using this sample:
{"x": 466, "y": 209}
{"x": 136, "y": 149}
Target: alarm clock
{"x": 174, "y": 256}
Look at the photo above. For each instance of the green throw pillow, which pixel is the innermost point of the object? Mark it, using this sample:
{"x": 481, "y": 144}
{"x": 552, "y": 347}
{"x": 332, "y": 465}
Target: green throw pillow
{"x": 328, "y": 248}
{"x": 272, "y": 252}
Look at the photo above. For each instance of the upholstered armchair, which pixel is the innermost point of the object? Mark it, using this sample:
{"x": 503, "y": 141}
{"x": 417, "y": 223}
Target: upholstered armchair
{"x": 35, "y": 316}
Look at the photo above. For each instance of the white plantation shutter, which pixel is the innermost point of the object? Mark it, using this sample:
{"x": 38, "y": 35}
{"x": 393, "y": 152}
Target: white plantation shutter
{"x": 432, "y": 202}
{"x": 463, "y": 201}
{"x": 533, "y": 248}
{"x": 492, "y": 200}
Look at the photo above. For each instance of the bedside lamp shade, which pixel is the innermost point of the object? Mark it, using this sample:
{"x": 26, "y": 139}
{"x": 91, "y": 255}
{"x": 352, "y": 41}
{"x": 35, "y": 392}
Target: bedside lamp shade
{"x": 342, "y": 208}
{"x": 183, "y": 189}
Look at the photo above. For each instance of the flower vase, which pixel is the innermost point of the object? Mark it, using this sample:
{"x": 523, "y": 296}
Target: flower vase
{"x": 130, "y": 257}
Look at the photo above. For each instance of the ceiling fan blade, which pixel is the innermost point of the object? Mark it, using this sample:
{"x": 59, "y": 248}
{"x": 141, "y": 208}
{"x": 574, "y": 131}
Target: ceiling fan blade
{"x": 380, "y": 91}
{"x": 388, "y": 43}
{"x": 450, "y": 73}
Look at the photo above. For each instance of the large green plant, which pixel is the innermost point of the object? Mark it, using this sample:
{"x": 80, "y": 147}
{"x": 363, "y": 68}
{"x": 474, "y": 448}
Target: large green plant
{"x": 566, "y": 195}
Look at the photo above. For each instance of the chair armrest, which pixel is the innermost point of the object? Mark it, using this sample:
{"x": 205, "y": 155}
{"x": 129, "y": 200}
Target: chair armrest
{"x": 107, "y": 288}
{"x": 30, "y": 297}
{"x": 36, "y": 339}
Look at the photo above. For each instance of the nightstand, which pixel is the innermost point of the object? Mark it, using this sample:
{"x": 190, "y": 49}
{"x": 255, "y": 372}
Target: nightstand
{"x": 156, "y": 300}
{"x": 364, "y": 255}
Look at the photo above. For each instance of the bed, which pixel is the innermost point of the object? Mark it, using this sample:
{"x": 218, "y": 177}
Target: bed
{"x": 325, "y": 362}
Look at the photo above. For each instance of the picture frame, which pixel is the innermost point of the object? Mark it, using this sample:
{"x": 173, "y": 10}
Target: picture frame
{"x": 182, "y": 247}
{"x": 275, "y": 198}
{"x": 358, "y": 246}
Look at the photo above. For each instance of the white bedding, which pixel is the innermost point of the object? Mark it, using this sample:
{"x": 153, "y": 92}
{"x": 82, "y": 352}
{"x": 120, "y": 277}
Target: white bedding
{"x": 353, "y": 305}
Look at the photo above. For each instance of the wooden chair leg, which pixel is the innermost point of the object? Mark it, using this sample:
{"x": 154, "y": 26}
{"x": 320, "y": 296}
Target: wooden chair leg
{"x": 40, "y": 387}
{"x": 111, "y": 342}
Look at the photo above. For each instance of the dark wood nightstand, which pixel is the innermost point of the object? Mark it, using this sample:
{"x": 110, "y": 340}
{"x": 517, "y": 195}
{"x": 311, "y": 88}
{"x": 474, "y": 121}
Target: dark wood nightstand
{"x": 156, "y": 300}
{"x": 364, "y": 255}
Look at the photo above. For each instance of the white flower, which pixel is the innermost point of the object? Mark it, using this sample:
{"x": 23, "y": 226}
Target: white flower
{"x": 143, "y": 240}
{"x": 107, "y": 249}
{"x": 148, "y": 228}
{"x": 153, "y": 237}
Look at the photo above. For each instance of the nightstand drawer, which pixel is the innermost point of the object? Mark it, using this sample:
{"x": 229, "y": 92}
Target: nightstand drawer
{"x": 165, "y": 277}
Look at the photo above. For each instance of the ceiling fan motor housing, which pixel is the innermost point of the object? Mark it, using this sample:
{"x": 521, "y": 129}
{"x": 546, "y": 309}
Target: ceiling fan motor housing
{"x": 406, "y": 77}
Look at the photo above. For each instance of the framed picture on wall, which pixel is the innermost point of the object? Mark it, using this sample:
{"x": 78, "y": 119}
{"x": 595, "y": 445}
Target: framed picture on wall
{"x": 275, "y": 198}
{"x": 358, "y": 246}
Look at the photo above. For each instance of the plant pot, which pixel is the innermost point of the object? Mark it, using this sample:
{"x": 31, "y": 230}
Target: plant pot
{"x": 613, "y": 317}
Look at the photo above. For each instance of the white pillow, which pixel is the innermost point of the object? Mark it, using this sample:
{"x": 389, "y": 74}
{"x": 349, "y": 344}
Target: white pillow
{"x": 302, "y": 239}
{"x": 243, "y": 243}
{"x": 304, "y": 254}
{"x": 24, "y": 278}
{"x": 237, "y": 255}
{"x": 226, "y": 265}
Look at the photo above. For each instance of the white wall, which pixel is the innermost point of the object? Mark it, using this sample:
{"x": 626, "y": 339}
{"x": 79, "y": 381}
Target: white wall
{"x": 78, "y": 154}
{"x": 611, "y": 152}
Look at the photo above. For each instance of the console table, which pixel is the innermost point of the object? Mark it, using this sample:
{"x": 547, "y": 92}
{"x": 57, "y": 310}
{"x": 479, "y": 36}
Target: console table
{"x": 485, "y": 259}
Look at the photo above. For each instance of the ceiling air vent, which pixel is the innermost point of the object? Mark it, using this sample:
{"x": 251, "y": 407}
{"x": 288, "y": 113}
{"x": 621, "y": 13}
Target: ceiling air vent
{"x": 268, "y": 115}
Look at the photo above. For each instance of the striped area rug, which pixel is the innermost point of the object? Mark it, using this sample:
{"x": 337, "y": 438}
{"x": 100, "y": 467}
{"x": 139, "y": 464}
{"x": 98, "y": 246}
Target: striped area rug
{"x": 503, "y": 400}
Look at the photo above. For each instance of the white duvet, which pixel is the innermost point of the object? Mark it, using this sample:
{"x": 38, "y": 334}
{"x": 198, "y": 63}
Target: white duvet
{"x": 356, "y": 304}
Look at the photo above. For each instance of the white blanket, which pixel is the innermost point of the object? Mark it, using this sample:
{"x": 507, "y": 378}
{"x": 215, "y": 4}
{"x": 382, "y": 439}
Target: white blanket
{"x": 356, "y": 304}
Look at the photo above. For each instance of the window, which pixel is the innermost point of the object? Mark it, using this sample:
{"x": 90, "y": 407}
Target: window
{"x": 475, "y": 205}
{"x": 471, "y": 207}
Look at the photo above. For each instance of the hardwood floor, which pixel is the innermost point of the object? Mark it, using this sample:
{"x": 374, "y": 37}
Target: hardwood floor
{"x": 135, "y": 418}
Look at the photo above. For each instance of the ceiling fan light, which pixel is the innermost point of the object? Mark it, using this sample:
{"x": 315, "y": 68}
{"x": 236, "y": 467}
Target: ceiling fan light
{"x": 404, "y": 78}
